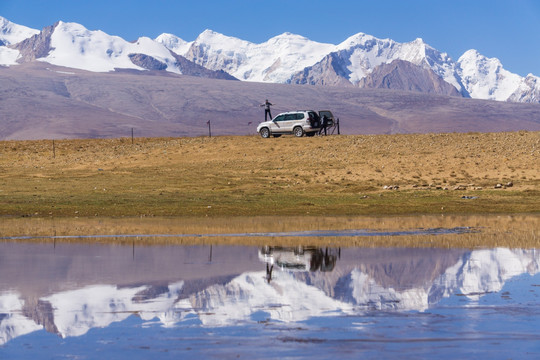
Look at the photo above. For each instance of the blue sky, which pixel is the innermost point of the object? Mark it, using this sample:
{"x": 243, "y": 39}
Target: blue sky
{"x": 506, "y": 29}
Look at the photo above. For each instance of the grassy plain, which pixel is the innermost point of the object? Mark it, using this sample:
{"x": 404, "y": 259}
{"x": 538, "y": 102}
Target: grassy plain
{"x": 249, "y": 176}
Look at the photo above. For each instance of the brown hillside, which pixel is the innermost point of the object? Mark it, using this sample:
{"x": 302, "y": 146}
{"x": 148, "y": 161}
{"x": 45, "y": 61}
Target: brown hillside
{"x": 40, "y": 101}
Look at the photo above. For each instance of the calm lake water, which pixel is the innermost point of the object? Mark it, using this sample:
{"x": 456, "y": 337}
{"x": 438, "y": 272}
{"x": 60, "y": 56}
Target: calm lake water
{"x": 84, "y": 300}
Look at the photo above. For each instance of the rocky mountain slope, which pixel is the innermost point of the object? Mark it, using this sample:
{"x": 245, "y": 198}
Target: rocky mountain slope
{"x": 404, "y": 75}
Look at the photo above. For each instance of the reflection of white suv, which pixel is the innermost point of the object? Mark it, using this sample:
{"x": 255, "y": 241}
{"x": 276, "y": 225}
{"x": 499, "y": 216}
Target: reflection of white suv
{"x": 294, "y": 122}
{"x": 300, "y": 258}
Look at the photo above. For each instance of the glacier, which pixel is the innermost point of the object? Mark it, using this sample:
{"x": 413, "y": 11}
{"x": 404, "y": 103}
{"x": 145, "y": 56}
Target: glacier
{"x": 74, "y": 46}
{"x": 11, "y": 33}
{"x": 271, "y": 61}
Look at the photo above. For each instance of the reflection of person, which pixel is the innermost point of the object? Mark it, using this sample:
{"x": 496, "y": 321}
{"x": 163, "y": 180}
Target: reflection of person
{"x": 267, "y": 112}
{"x": 269, "y": 273}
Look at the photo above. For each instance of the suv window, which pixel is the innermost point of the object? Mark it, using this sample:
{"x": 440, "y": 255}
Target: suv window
{"x": 299, "y": 116}
{"x": 328, "y": 114}
{"x": 280, "y": 118}
{"x": 290, "y": 117}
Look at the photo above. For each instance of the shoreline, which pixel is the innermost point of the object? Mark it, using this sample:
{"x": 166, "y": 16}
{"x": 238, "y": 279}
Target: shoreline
{"x": 473, "y": 231}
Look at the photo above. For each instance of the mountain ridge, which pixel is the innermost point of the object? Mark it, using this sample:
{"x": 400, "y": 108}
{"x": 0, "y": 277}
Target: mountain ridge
{"x": 285, "y": 58}
{"x": 72, "y": 45}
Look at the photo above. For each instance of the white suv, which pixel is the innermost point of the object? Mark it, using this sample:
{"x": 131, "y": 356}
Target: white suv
{"x": 294, "y": 122}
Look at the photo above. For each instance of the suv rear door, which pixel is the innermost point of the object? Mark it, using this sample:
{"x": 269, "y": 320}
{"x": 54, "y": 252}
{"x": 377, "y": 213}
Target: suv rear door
{"x": 315, "y": 119}
{"x": 329, "y": 117}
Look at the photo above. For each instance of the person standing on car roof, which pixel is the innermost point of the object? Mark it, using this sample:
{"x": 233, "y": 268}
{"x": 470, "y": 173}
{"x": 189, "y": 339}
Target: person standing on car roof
{"x": 267, "y": 112}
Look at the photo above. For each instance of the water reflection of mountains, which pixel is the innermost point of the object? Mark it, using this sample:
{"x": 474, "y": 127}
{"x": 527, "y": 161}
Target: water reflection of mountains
{"x": 69, "y": 289}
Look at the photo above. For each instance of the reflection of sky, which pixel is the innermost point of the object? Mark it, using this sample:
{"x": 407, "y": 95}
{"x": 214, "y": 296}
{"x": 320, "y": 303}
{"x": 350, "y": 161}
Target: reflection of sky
{"x": 487, "y": 294}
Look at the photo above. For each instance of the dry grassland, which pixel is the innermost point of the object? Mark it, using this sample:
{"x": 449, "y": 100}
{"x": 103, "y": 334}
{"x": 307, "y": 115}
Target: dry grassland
{"x": 247, "y": 176}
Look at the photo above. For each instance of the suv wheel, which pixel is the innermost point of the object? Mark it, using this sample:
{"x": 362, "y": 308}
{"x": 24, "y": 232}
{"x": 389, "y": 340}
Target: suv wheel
{"x": 298, "y": 131}
{"x": 265, "y": 133}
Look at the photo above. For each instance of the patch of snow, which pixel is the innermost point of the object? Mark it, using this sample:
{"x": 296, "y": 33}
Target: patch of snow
{"x": 174, "y": 43}
{"x": 61, "y": 72}
{"x": 8, "y": 56}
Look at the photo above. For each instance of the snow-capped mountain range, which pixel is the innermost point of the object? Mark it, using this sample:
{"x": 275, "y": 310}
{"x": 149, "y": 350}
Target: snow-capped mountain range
{"x": 286, "y": 58}
{"x": 72, "y": 45}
